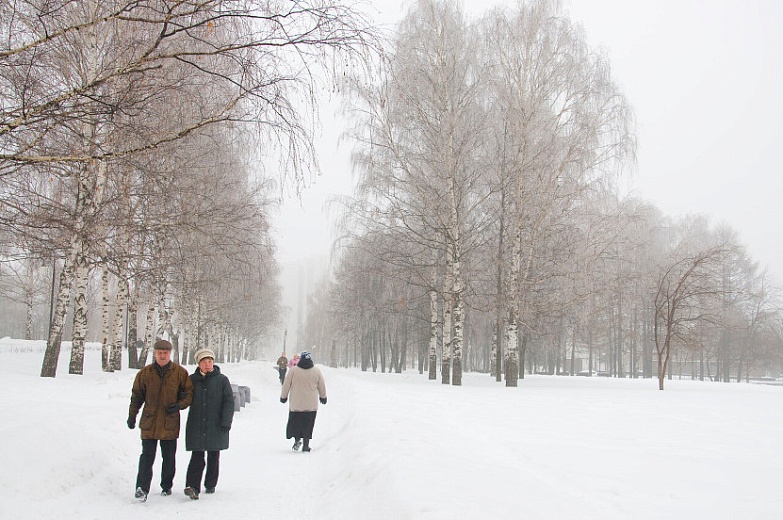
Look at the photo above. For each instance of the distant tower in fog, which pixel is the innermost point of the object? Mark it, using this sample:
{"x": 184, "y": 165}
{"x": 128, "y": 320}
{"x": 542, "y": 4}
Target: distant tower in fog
{"x": 299, "y": 279}
{"x": 301, "y": 304}
{"x": 305, "y": 287}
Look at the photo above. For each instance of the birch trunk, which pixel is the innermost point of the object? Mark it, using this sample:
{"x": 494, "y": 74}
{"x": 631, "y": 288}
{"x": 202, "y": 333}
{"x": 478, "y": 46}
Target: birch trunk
{"x": 511, "y": 360}
{"x": 121, "y": 307}
{"x": 54, "y": 341}
{"x": 456, "y": 289}
{"x": 457, "y": 339}
{"x": 497, "y": 344}
{"x": 220, "y": 342}
{"x": 185, "y": 329}
{"x": 105, "y": 323}
{"x": 213, "y": 342}
{"x": 404, "y": 349}
{"x": 81, "y": 272}
{"x": 91, "y": 181}
{"x": 433, "y": 349}
{"x": 232, "y": 355}
{"x": 29, "y": 301}
{"x": 149, "y": 335}
{"x": 445, "y": 359}
{"x": 133, "y": 331}
{"x": 163, "y": 315}
{"x": 511, "y": 357}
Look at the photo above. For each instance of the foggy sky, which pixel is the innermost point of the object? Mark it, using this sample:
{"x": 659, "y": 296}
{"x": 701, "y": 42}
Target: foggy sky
{"x": 704, "y": 79}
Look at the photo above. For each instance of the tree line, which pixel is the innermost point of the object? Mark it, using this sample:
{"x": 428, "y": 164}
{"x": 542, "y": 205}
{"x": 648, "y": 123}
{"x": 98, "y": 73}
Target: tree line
{"x": 487, "y": 231}
{"x": 132, "y": 136}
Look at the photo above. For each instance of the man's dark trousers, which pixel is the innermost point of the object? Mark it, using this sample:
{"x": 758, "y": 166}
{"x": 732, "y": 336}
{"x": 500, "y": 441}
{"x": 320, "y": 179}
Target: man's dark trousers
{"x": 168, "y": 451}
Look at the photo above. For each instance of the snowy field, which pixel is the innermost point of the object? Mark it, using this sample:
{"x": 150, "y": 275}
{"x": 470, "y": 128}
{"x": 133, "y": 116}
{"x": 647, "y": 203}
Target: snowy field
{"x": 391, "y": 446}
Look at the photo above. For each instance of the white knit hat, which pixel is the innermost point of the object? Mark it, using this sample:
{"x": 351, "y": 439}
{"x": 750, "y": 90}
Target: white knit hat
{"x": 204, "y": 353}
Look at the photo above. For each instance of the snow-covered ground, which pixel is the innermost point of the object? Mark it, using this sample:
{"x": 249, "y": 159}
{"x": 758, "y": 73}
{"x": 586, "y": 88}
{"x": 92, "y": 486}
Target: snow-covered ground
{"x": 391, "y": 446}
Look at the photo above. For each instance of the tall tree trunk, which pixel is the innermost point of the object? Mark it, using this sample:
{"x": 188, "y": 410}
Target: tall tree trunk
{"x": 620, "y": 337}
{"x": 457, "y": 287}
{"x": 364, "y": 345}
{"x": 494, "y": 359}
{"x": 590, "y": 351}
{"x": 149, "y": 335}
{"x": 458, "y": 329}
{"x": 572, "y": 368}
{"x": 81, "y": 273}
{"x": 54, "y": 341}
{"x": 448, "y": 309}
{"x": 29, "y": 300}
{"x": 106, "y": 341}
{"x": 664, "y": 353}
{"x": 184, "y": 346}
{"x": 133, "y": 328}
{"x": 511, "y": 358}
{"x": 433, "y": 348}
{"x": 404, "y": 348}
{"x": 523, "y": 354}
{"x": 120, "y": 312}
{"x": 497, "y": 343}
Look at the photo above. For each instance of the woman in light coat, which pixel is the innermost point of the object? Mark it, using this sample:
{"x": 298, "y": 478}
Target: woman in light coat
{"x": 304, "y": 385}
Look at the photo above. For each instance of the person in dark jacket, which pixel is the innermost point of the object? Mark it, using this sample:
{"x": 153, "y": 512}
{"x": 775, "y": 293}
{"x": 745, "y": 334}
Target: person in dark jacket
{"x": 163, "y": 388}
{"x": 282, "y": 366}
{"x": 209, "y": 422}
{"x": 305, "y": 384}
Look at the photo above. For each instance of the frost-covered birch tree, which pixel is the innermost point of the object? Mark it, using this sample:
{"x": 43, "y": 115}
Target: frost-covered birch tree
{"x": 421, "y": 127}
{"x": 568, "y": 124}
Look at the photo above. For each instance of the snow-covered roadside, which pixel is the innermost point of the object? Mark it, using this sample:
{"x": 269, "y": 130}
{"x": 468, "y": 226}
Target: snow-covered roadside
{"x": 396, "y": 446}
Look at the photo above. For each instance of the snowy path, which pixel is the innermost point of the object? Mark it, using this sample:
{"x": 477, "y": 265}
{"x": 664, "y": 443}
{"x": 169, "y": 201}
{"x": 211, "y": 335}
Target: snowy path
{"x": 390, "y": 446}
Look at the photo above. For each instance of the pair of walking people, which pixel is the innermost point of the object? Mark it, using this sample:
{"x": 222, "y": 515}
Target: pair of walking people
{"x": 164, "y": 388}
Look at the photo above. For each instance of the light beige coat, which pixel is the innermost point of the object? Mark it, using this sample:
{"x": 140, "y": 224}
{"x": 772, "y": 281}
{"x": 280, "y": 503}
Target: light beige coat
{"x": 303, "y": 387}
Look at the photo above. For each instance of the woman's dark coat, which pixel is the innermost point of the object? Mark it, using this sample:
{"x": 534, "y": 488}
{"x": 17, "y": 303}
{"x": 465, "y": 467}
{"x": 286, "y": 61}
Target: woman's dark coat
{"x": 212, "y": 411}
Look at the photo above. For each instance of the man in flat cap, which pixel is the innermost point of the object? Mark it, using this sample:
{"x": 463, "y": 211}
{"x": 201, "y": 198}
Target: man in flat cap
{"x": 163, "y": 388}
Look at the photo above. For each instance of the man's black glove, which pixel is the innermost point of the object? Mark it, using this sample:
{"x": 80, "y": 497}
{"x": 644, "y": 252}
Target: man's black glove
{"x": 283, "y": 399}
{"x": 322, "y": 399}
{"x": 225, "y": 429}
{"x": 172, "y": 408}
{"x": 131, "y": 422}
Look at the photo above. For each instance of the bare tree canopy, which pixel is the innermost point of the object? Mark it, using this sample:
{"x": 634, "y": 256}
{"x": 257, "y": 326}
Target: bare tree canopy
{"x": 131, "y": 135}
{"x": 64, "y": 64}
{"x": 488, "y": 231}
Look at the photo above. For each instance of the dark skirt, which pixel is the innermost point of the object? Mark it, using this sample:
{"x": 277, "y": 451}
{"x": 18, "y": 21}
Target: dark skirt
{"x": 300, "y": 425}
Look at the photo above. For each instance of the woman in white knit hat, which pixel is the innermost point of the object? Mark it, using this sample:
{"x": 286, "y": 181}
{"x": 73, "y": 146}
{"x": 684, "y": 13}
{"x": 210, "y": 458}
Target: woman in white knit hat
{"x": 209, "y": 422}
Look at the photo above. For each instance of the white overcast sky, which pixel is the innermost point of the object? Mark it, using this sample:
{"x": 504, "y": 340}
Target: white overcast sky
{"x": 705, "y": 79}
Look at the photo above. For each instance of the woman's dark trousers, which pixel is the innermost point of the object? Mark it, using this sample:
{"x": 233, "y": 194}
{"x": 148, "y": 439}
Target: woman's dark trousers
{"x": 196, "y": 470}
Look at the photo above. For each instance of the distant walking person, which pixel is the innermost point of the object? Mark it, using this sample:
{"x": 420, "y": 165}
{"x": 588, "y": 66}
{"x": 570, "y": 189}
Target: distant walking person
{"x": 163, "y": 388}
{"x": 305, "y": 384}
{"x": 209, "y": 421}
{"x": 282, "y": 366}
